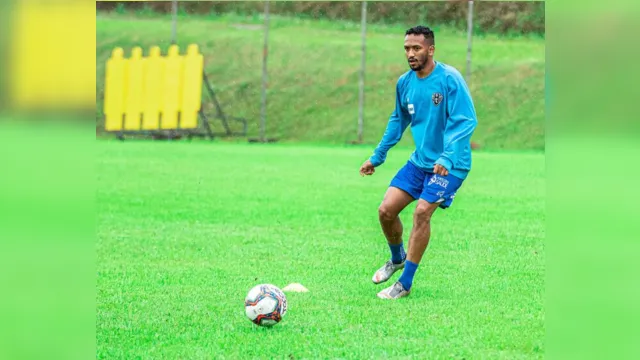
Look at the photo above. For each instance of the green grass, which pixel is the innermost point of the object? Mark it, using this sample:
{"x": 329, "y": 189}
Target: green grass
{"x": 185, "y": 230}
{"x": 314, "y": 72}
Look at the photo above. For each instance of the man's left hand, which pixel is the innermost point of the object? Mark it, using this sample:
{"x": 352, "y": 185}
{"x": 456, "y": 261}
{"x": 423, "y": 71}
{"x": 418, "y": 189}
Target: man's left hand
{"x": 440, "y": 170}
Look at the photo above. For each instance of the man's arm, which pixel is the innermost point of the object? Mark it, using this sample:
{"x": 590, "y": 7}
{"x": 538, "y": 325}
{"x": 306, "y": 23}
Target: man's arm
{"x": 398, "y": 122}
{"x": 461, "y": 122}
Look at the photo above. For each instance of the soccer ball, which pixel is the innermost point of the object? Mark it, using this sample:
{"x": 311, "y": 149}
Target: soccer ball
{"x": 265, "y": 305}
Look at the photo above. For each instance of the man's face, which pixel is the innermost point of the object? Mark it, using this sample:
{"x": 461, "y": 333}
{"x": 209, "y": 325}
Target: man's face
{"x": 417, "y": 51}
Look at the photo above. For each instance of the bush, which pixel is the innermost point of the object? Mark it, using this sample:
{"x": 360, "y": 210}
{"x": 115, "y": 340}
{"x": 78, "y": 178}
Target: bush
{"x": 502, "y": 17}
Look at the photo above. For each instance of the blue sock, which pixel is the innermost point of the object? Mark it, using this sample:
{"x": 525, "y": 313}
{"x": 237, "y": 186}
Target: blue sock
{"x": 397, "y": 253}
{"x": 406, "y": 279}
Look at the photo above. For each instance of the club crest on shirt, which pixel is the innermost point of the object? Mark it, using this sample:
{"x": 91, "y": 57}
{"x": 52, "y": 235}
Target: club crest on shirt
{"x": 437, "y": 98}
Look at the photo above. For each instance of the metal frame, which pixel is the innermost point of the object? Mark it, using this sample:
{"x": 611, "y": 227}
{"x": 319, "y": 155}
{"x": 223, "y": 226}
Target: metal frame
{"x": 221, "y": 115}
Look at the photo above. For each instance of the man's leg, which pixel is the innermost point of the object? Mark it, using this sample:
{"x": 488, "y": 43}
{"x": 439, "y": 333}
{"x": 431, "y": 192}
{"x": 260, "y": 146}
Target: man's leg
{"x": 419, "y": 239}
{"x": 395, "y": 200}
{"x": 438, "y": 191}
{"x": 420, "y": 235}
{"x": 404, "y": 188}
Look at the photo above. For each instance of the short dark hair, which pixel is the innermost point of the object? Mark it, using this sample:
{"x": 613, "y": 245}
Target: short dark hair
{"x": 423, "y": 30}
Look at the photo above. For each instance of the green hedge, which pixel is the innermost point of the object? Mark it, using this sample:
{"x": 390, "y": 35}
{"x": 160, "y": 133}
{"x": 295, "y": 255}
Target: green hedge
{"x": 503, "y": 17}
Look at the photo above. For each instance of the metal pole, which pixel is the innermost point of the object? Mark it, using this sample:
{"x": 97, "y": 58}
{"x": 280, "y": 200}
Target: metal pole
{"x": 174, "y": 12}
{"x": 263, "y": 109}
{"x": 363, "y": 26}
{"x": 469, "y": 37}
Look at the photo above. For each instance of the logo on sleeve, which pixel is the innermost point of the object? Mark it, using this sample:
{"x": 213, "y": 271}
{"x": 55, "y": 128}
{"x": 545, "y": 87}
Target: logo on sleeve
{"x": 411, "y": 109}
{"x": 437, "y": 98}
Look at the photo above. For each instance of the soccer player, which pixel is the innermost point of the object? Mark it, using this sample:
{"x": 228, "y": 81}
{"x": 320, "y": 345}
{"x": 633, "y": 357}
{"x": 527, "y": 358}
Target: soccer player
{"x": 434, "y": 98}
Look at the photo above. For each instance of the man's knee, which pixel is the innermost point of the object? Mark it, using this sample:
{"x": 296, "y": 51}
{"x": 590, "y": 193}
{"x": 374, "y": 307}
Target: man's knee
{"x": 423, "y": 211}
{"x": 386, "y": 213}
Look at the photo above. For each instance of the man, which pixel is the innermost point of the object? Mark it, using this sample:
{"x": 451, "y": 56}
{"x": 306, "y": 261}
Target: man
{"x": 434, "y": 98}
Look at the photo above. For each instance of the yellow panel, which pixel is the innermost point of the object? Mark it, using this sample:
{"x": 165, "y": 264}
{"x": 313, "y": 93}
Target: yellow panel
{"x": 40, "y": 73}
{"x": 133, "y": 101}
{"x": 153, "y": 67}
{"x": 192, "y": 89}
{"x": 114, "y": 92}
{"x": 172, "y": 89}
{"x": 25, "y": 71}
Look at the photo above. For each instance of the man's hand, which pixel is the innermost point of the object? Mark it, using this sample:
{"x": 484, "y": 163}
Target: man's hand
{"x": 440, "y": 170}
{"x": 367, "y": 168}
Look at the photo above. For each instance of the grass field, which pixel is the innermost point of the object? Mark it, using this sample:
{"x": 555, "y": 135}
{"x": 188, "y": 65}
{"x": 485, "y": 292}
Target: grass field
{"x": 314, "y": 71}
{"x": 186, "y": 229}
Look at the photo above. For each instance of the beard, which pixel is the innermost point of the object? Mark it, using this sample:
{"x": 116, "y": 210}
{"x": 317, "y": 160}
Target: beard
{"x": 418, "y": 65}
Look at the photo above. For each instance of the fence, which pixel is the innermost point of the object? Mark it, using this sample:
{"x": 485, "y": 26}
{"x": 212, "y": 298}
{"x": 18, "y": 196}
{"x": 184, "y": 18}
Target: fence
{"x": 309, "y": 77}
{"x": 361, "y": 94}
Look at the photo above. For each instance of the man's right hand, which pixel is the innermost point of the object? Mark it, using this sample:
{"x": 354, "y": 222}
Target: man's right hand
{"x": 367, "y": 168}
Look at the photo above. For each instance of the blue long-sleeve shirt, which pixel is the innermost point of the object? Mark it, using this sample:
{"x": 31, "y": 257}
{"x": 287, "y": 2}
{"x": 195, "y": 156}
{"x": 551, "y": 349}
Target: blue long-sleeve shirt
{"x": 442, "y": 117}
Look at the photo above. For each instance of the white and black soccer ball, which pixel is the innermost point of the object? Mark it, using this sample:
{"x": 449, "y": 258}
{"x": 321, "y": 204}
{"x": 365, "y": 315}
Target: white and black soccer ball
{"x": 265, "y": 305}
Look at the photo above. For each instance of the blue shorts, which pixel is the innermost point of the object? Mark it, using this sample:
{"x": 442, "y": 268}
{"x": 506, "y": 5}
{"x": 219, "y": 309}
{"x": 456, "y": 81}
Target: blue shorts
{"x": 425, "y": 185}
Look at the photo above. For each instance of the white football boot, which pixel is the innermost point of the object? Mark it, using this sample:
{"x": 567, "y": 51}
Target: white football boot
{"x": 384, "y": 273}
{"x": 394, "y": 291}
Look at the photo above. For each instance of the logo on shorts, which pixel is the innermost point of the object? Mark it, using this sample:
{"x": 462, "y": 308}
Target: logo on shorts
{"x": 435, "y": 179}
{"x": 411, "y": 109}
{"x": 437, "y": 98}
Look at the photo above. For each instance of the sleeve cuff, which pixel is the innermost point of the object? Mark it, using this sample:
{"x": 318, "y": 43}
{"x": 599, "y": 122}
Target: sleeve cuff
{"x": 375, "y": 162}
{"x": 445, "y": 162}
